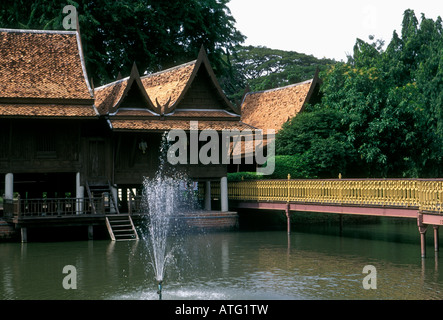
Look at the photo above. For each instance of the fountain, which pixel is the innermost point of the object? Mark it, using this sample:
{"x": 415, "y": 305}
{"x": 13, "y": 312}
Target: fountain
{"x": 165, "y": 198}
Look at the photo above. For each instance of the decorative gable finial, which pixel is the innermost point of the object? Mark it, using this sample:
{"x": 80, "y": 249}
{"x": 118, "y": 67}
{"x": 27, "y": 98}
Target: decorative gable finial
{"x": 165, "y": 108}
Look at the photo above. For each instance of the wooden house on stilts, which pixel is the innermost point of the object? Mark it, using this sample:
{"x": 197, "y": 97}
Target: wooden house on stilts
{"x": 71, "y": 155}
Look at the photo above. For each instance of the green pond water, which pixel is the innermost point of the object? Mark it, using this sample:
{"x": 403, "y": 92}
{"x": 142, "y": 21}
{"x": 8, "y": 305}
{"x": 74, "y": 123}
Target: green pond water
{"x": 316, "y": 261}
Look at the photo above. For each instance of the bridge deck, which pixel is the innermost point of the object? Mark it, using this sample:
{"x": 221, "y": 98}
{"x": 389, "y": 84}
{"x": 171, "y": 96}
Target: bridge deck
{"x": 420, "y": 199}
{"x": 426, "y": 195}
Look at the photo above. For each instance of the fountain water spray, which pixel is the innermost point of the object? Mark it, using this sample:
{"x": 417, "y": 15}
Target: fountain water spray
{"x": 164, "y": 199}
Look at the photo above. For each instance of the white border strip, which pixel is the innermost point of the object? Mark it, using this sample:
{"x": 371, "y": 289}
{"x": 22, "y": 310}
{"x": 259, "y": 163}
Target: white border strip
{"x": 205, "y": 110}
{"x": 37, "y": 31}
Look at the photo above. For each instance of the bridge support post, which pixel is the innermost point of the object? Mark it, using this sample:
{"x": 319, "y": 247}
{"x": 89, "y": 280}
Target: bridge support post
{"x": 436, "y": 246}
{"x": 423, "y": 241}
{"x": 288, "y": 218}
{"x": 422, "y": 228}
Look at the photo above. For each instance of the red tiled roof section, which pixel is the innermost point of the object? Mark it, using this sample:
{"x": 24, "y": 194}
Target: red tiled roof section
{"x": 167, "y": 84}
{"x": 166, "y": 125}
{"x": 270, "y": 109}
{"x": 41, "y": 65}
{"x": 46, "y": 110}
{"x": 107, "y": 96}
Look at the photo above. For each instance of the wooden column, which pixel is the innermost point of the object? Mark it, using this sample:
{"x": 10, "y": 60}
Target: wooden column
{"x": 224, "y": 194}
{"x": 436, "y": 246}
{"x": 208, "y": 195}
{"x": 79, "y": 194}
{"x": 9, "y": 186}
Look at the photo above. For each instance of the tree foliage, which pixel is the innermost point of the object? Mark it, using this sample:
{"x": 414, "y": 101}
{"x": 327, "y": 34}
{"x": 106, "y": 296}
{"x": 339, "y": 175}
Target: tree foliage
{"x": 261, "y": 68}
{"x": 155, "y": 34}
{"x": 389, "y": 104}
{"x": 381, "y": 112}
{"x": 317, "y": 143}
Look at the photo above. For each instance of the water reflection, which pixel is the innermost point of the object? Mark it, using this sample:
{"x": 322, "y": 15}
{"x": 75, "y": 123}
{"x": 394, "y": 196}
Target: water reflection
{"x": 237, "y": 265}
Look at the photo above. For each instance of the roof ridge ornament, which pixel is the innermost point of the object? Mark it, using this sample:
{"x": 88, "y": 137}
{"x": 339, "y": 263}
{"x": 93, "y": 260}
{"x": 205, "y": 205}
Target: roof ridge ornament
{"x": 165, "y": 108}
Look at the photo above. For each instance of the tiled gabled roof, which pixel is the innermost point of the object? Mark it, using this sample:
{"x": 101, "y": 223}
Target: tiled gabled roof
{"x": 168, "y": 85}
{"x": 161, "y": 87}
{"x": 270, "y": 109}
{"x": 42, "y": 64}
{"x": 158, "y": 106}
{"x": 110, "y": 97}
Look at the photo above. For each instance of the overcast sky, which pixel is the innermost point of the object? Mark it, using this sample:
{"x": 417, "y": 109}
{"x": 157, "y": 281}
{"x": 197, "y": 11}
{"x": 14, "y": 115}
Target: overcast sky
{"x": 323, "y": 28}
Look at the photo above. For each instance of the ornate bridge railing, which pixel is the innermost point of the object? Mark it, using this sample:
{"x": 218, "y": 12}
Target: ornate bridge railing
{"x": 426, "y": 195}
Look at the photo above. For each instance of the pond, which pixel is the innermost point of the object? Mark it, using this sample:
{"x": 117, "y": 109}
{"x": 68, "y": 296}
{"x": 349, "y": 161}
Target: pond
{"x": 314, "y": 262}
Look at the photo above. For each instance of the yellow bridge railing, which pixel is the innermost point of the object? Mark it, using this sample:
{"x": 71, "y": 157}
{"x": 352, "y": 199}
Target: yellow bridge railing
{"x": 426, "y": 195}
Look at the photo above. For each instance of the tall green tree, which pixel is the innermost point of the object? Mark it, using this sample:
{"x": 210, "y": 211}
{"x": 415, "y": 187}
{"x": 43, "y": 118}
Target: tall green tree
{"x": 261, "y": 68}
{"x": 390, "y": 103}
{"x": 317, "y": 142}
{"x": 155, "y": 34}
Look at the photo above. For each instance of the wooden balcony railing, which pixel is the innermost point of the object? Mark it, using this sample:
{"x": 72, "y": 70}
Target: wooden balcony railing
{"x": 426, "y": 195}
{"x": 55, "y": 207}
{"x": 59, "y": 207}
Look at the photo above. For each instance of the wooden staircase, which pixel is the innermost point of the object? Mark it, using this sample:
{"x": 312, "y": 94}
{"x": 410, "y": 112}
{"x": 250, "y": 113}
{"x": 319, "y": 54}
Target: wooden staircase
{"x": 120, "y": 226}
{"x": 104, "y": 191}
